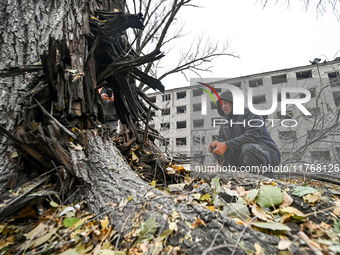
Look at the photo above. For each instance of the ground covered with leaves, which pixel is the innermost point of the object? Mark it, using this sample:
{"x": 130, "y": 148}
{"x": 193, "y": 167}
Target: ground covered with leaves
{"x": 304, "y": 214}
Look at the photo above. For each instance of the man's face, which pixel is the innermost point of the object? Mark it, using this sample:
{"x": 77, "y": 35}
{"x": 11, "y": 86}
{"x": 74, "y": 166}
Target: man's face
{"x": 227, "y": 107}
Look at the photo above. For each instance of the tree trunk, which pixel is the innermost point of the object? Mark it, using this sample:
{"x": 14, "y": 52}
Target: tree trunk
{"x": 101, "y": 170}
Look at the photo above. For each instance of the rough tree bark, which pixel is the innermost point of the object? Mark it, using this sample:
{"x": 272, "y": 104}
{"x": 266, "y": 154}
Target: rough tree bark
{"x": 100, "y": 168}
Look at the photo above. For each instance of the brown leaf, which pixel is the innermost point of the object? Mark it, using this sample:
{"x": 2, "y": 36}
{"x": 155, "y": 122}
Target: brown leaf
{"x": 122, "y": 204}
{"x": 325, "y": 225}
{"x": 260, "y": 213}
{"x": 312, "y": 198}
{"x": 287, "y": 200}
{"x": 197, "y": 222}
{"x": 259, "y": 250}
{"x": 241, "y": 191}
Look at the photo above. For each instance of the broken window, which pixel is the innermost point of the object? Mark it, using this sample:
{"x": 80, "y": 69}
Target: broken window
{"x": 261, "y": 99}
{"x": 181, "y": 124}
{"x": 255, "y": 83}
{"x": 166, "y": 97}
{"x": 336, "y": 97}
{"x": 213, "y": 106}
{"x": 198, "y": 123}
{"x": 323, "y": 156}
{"x": 181, "y": 141}
{"x": 165, "y": 142}
{"x": 304, "y": 74}
{"x": 279, "y": 96}
{"x": 287, "y": 135}
{"x": 165, "y": 126}
{"x": 198, "y": 140}
{"x": 166, "y": 111}
{"x": 181, "y": 94}
{"x": 289, "y": 115}
{"x": 282, "y": 78}
{"x": 181, "y": 109}
{"x": 197, "y": 92}
{"x": 334, "y": 79}
{"x": 311, "y": 134}
{"x": 196, "y": 107}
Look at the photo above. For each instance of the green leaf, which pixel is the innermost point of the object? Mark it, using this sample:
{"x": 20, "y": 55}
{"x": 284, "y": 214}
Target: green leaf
{"x": 205, "y": 197}
{"x": 176, "y": 187}
{"x": 130, "y": 198}
{"x": 147, "y": 230}
{"x": 301, "y": 191}
{"x": 69, "y": 222}
{"x": 271, "y": 225}
{"x": 215, "y": 185}
{"x": 164, "y": 235}
{"x": 54, "y": 204}
{"x": 236, "y": 210}
{"x": 15, "y": 154}
{"x": 269, "y": 196}
{"x": 153, "y": 183}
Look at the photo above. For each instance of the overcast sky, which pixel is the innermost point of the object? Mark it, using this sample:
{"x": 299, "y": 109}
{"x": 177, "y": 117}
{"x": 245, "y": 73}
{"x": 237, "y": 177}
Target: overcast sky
{"x": 265, "y": 39}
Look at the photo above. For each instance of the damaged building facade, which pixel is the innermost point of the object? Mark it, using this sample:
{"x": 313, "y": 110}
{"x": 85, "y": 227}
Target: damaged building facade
{"x": 187, "y": 131}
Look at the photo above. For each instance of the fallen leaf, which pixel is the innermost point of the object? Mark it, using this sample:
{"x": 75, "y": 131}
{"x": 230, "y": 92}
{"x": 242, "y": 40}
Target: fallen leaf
{"x": 251, "y": 195}
{"x": 122, "y": 204}
{"x": 287, "y": 200}
{"x": 241, "y": 191}
{"x": 312, "y": 198}
{"x": 147, "y": 229}
{"x": 236, "y": 210}
{"x": 198, "y": 222}
{"x": 269, "y": 196}
{"x": 260, "y": 213}
{"x": 105, "y": 223}
{"x": 325, "y": 225}
{"x": 284, "y": 245}
{"x": 301, "y": 191}
{"x": 271, "y": 225}
{"x": 258, "y": 249}
{"x": 176, "y": 187}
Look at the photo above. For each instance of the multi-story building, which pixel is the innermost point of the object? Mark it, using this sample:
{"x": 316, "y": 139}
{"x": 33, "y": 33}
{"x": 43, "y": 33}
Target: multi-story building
{"x": 313, "y": 139}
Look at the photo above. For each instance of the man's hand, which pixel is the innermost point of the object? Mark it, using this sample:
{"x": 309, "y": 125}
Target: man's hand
{"x": 221, "y": 148}
{"x": 212, "y": 146}
{"x": 105, "y": 96}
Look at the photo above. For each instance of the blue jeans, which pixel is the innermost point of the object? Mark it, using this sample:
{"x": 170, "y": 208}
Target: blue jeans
{"x": 253, "y": 154}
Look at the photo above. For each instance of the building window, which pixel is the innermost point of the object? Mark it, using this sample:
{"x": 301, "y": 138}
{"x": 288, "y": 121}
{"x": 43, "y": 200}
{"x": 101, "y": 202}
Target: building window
{"x": 217, "y": 90}
{"x": 196, "y": 107}
{"x": 311, "y": 134}
{"x": 287, "y": 135}
{"x": 289, "y": 115}
{"x": 165, "y": 126}
{"x": 282, "y": 78}
{"x": 314, "y": 111}
{"x": 165, "y": 142}
{"x": 197, "y": 92}
{"x": 255, "y": 83}
{"x": 323, "y": 156}
{"x": 336, "y": 96}
{"x": 198, "y": 123}
{"x": 238, "y": 84}
{"x": 153, "y": 99}
{"x": 181, "y": 94}
{"x": 261, "y": 99}
{"x": 181, "y": 124}
{"x": 166, "y": 97}
{"x": 181, "y": 141}
{"x": 198, "y": 140}
{"x": 213, "y": 106}
{"x": 304, "y": 75}
{"x": 166, "y": 111}
{"x": 279, "y": 96}
{"x": 181, "y": 109}
{"x": 334, "y": 79}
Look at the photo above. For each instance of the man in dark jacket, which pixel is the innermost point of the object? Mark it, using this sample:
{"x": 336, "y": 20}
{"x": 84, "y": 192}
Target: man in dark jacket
{"x": 242, "y": 144}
